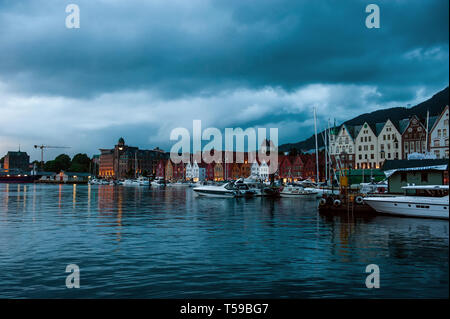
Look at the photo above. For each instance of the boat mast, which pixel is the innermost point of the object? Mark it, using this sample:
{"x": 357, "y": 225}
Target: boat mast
{"x": 326, "y": 157}
{"x": 135, "y": 164}
{"x": 317, "y": 151}
{"x": 426, "y": 138}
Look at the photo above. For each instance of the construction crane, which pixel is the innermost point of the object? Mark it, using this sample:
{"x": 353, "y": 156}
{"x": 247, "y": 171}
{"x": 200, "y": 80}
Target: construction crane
{"x": 42, "y": 147}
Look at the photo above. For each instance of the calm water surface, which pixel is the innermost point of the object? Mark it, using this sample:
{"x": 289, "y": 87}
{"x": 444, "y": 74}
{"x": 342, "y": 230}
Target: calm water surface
{"x": 144, "y": 243}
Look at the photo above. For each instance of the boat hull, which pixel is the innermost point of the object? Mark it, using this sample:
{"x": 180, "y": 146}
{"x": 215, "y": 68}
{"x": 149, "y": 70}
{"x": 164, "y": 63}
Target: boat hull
{"x": 217, "y": 194}
{"x": 423, "y": 209}
{"x": 311, "y": 196}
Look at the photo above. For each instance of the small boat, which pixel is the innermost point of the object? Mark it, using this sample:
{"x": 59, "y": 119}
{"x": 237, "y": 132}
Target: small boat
{"x": 298, "y": 192}
{"x": 143, "y": 181}
{"x": 159, "y": 182}
{"x": 429, "y": 206}
{"x": 179, "y": 184}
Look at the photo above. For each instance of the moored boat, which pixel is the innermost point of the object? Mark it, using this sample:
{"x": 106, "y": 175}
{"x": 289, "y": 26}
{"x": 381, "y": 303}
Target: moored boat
{"x": 18, "y": 178}
{"x": 413, "y": 206}
{"x": 298, "y": 192}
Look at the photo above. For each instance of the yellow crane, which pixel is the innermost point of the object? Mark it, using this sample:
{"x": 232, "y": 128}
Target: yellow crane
{"x": 42, "y": 147}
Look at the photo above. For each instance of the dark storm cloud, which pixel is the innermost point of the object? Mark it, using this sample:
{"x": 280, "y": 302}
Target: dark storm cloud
{"x": 200, "y": 47}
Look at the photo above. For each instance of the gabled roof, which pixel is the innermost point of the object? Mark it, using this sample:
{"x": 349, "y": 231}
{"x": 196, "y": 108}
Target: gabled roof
{"x": 399, "y": 164}
{"x": 354, "y": 130}
{"x": 403, "y": 125}
{"x": 431, "y": 127}
{"x": 379, "y": 127}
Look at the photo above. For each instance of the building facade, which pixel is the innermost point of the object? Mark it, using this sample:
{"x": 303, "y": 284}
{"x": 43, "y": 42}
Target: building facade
{"x": 342, "y": 147}
{"x": 127, "y": 161}
{"x": 438, "y": 140}
{"x": 414, "y": 137}
{"x": 16, "y": 161}
{"x": 389, "y": 143}
{"x": 366, "y": 143}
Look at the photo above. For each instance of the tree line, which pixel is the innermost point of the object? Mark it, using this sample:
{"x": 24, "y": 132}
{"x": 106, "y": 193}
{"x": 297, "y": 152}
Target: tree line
{"x": 80, "y": 163}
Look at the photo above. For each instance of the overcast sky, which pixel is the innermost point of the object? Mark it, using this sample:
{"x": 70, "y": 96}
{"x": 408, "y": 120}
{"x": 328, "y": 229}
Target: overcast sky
{"x": 138, "y": 69}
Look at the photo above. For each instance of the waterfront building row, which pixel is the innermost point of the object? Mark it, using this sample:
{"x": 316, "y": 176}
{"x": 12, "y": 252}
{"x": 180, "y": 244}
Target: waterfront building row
{"x": 290, "y": 168}
{"x": 367, "y": 146}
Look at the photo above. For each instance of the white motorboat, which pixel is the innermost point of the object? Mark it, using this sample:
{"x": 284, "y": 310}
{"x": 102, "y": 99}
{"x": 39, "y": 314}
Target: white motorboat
{"x": 129, "y": 182}
{"x": 159, "y": 182}
{"x": 227, "y": 190}
{"x": 143, "y": 181}
{"x": 299, "y": 192}
{"x": 179, "y": 184}
{"x": 94, "y": 181}
{"x": 413, "y": 206}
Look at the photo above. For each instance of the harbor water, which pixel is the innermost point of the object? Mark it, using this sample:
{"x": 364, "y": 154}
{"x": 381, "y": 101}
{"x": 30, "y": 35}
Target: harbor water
{"x": 136, "y": 242}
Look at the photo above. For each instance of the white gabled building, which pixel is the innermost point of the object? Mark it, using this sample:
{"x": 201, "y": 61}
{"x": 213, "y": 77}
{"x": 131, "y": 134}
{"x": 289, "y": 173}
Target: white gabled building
{"x": 342, "y": 146}
{"x": 255, "y": 169}
{"x": 389, "y": 143}
{"x": 366, "y": 147}
{"x": 189, "y": 174}
{"x": 438, "y": 137}
{"x": 264, "y": 171}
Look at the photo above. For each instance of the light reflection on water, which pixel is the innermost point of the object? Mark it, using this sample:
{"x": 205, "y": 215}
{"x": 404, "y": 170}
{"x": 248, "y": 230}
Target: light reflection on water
{"x": 138, "y": 242}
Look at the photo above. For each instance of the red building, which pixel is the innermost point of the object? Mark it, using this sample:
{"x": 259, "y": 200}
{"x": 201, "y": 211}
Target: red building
{"x": 209, "y": 171}
{"x": 161, "y": 168}
{"x": 284, "y": 168}
{"x": 414, "y": 137}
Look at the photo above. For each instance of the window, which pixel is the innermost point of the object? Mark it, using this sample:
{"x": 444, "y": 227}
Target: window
{"x": 389, "y": 146}
{"x": 346, "y": 140}
{"x": 384, "y": 137}
{"x": 396, "y": 155}
{"x": 360, "y": 148}
{"x": 393, "y": 136}
{"x": 362, "y": 139}
{"x": 439, "y": 133}
{"x": 424, "y": 177}
{"x": 372, "y": 156}
{"x": 360, "y": 156}
{"x": 444, "y": 132}
{"x": 389, "y": 155}
{"x": 371, "y": 147}
{"x": 382, "y": 154}
{"x": 396, "y": 145}
{"x": 406, "y": 146}
{"x": 417, "y": 146}
{"x": 411, "y": 146}
{"x": 370, "y": 138}
{"x": 403, "y": 177}
{"x": 366, "y": 147}
{"x": 382, "y": 147}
